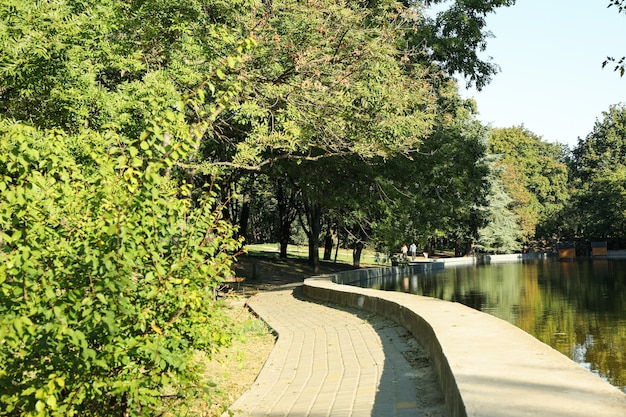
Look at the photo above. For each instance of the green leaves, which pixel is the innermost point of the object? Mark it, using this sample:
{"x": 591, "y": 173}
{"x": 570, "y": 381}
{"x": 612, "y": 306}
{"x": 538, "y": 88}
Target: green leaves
{"x": 453, "y": 39}
{"x": 108, "y": 274}
{"x": 598, "y": 183}
{"x": 325, "y": 78}
{"x": 108, "y": 260}
{"x": 501, "y": 232}
{"x": 534, "y": 175}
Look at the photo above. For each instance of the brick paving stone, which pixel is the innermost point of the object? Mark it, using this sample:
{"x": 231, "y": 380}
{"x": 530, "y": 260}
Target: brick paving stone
{"x": 328, "y": 362}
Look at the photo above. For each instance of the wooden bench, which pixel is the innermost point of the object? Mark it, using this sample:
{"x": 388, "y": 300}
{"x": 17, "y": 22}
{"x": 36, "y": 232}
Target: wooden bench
{"x": 229, "y": 284}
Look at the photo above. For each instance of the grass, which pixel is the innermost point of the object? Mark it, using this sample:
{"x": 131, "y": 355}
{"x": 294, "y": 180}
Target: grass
{"x": 229, "y": 371}
{"x": 368, "y": 257}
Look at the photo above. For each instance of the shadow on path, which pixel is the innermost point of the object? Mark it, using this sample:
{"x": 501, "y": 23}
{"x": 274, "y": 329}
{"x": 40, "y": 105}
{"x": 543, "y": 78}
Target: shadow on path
{"x": 333, "y": 361}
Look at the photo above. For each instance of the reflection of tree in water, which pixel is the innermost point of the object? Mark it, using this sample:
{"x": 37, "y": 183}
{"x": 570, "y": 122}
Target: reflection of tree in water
{"x": 603, "y": 344}
{"x": 578, "y": 308}
{"x": 431, "y": 286}
{"x": 473, "y": 299}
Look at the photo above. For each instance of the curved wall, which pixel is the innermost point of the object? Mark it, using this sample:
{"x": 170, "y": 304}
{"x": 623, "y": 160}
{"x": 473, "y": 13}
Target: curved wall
{"x": 486, "y": 366}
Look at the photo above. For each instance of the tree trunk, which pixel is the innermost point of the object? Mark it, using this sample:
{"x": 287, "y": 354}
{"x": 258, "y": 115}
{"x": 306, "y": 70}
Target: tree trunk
{"x": 244, "y": 217}
{"x": 314, "y": 256}
{"x": 284, "y": 234}
{"x": 314, "y": 220}
{"x": 328, "y": 244}
{"x": 287, "y": 213}
{"x": 356, "y": 254}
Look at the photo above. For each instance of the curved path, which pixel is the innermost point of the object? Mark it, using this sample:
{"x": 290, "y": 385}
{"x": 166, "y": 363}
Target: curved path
{"x": 331, "y": 362}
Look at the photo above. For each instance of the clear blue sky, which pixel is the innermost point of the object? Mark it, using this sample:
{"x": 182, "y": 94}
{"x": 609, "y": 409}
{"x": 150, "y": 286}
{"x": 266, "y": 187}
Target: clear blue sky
{"x": 550, "y": 54}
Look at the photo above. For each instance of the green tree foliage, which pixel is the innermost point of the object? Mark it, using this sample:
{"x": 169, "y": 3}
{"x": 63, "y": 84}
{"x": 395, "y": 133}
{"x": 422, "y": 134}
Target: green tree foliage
{"x": 107, "y": 274}
{"x": 434, "y": 194}
{"x": 73, "y": 64}
{"x": 109, "y": 260}
{"x": 501, "y": 233}
{"x": 453, "y": 39}
{"x": 598, "y": 170}
{"x": 618, "y": 63}
{"x": 325, "y": 80}
{"x": 534, "y": 175}
{"x": 604, "y": 148}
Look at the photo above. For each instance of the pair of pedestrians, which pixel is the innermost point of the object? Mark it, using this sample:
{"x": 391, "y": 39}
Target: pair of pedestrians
{"x": 409, "y": 251}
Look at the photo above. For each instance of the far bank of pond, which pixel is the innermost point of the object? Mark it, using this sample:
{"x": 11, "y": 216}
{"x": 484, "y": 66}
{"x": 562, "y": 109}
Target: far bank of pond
{"x": 577, "y": 307}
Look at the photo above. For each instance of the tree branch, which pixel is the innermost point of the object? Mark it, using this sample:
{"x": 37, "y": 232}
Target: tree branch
{"x": 260, "y": 165}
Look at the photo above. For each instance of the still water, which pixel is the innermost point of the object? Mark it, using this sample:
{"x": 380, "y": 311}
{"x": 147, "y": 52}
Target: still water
{"x": 577, "y": 307}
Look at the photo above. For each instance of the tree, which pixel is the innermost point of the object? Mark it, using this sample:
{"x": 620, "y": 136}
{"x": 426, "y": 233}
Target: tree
{"x": 598, "y": 165}
{"x": 619, "y": 64}
{"x": 534, "y": 175}
{"x": 108, "y": 274}
{"x": 353, "y": 204}
{"x": 69, "y": 65}
{"x": 109, "y": 259}
{"x": 325, "y": 80}
{"x": 453, "y": 39}
{"x": 604, "y": 148}
{"x": 501, "y": 233}
{"x": 289, "y": 205}
{"x": 325, "y": 186}
{"x": 435, "y": 194}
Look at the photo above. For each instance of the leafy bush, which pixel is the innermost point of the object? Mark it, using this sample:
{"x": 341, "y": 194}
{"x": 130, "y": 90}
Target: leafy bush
{"x": 107, "y": 271}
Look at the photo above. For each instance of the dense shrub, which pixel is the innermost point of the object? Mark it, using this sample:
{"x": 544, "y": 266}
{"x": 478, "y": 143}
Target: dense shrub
{"x": 107, "y": 272}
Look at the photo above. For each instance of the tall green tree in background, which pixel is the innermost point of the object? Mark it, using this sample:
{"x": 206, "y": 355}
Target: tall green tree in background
{"x": 501, "y": 232}
{"x": 598, "y": 168}
{"x": 434, "y": 193}
{"x": 534, "y": 175}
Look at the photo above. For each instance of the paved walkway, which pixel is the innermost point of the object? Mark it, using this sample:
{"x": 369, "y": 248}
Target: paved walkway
{"x": 328, "y": 362}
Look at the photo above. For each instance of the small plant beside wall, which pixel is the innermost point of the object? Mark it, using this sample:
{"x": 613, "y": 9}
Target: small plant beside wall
{"x": 399, "y": 260}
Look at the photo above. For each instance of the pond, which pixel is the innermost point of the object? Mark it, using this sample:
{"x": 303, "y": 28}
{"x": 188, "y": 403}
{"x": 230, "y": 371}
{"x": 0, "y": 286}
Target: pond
{"x": 577, "y": 307}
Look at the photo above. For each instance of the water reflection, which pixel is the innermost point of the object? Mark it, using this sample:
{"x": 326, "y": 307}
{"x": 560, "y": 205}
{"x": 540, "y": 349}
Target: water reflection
{"x": 577, "y": 307}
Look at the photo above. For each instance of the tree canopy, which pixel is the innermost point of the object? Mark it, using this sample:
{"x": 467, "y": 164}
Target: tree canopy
{"x": 598, "y": 168}
{"x": 454, "y": 37}
{"x": 534, "y": 175}
{"x": 619, "y": 64}
{"x": 136, "y": 135}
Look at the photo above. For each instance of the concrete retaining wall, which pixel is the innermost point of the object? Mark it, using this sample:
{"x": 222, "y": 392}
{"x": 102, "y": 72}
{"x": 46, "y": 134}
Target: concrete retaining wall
{"x": 486, "y": 366}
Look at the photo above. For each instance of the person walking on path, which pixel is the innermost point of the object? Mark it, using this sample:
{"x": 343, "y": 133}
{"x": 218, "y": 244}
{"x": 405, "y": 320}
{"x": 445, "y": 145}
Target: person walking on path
{"x": 329, "y": 362}
{"x": 413, "y": 250}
